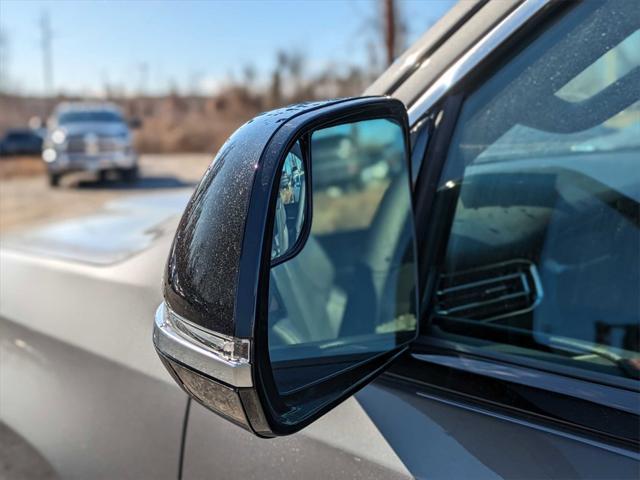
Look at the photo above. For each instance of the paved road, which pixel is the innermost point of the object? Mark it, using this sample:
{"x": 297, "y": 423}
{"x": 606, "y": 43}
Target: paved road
{"x": 28, "y": 200}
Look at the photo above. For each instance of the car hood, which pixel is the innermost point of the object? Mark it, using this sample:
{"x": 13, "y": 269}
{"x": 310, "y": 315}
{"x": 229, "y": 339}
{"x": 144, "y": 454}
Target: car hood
{"x": 120, "y": 230}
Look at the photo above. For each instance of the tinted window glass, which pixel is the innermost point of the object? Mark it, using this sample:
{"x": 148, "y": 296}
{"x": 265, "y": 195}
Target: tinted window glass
{"x": 544, "y": 178}
{"x": 89, "y": 116}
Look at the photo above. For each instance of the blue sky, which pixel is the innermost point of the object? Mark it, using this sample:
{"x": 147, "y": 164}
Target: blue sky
{"x": 190, "y": 44}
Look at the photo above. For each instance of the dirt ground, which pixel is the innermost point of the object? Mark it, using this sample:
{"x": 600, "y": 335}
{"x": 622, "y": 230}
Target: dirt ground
{"x": 26, "y": 199}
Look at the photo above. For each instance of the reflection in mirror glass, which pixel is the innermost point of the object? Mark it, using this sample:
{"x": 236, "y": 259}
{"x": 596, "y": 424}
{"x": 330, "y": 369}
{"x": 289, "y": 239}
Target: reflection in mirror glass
{"x": 349, "y": 294}
{"x": 290, "y": 204}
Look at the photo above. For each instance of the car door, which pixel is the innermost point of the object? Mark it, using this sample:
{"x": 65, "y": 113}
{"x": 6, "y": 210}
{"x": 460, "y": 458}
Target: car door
{"x": 79, "y": 380}
{"x": 528, "y": 355}
{"x": 526, "y": 196}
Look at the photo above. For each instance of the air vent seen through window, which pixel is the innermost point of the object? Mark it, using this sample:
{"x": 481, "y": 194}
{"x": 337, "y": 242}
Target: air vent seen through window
{"x": 490, "y": 292}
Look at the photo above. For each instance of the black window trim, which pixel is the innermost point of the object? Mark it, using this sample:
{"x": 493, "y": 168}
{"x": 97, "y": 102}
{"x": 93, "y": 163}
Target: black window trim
{"x": 593, "y": 384}
{"x": 577, "y": 407}
{"x": 596, "y": 393}
{"x": 469, "y": 390}
{"x": 554, "y": 369}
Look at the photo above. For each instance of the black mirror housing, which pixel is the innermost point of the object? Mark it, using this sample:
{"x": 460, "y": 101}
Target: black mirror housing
{"x": 211, "y": 332}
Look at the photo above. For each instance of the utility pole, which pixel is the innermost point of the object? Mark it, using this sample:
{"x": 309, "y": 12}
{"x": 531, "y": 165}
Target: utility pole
{"x": 390, "y": 30}
{"x": 4, "y": 62}
{"x": 45, "y": 45}
{"x": 143, "y": 69}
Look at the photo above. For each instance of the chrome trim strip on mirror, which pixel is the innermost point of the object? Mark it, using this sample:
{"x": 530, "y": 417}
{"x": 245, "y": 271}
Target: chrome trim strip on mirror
{"x": 473, "y": 57}
{"x": 218, "y": 356}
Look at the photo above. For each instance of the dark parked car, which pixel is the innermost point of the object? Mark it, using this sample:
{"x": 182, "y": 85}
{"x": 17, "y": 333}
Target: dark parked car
{"x": 472, "y": 314}
{"x": 351, "y": 157}
{"x": 336, "y": 164}
{"x": 21, "y": 141}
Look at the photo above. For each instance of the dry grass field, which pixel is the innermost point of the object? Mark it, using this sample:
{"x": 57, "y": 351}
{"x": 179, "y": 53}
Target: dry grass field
{"x": 15, "y": 167}
{"x": 26, "y": 198}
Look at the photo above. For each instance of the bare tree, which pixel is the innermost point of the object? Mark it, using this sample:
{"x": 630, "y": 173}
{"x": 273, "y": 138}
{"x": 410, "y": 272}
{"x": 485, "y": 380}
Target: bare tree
{"x": 249, "y": 75}
{"x": 194, "y": 83}
{"x": 275, "y": 89}
{"x": 296, "y": 62}
{"x": 143, "y": 72}
{"x": 106, "y": 83}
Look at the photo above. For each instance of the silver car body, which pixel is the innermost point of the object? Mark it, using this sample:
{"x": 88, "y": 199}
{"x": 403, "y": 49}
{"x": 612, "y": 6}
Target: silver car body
{"x": 81, "y": 383}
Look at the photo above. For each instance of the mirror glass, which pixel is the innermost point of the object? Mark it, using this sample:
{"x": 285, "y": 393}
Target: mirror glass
{"x": 290, "y": 204}
{"x": 348, "y": 294}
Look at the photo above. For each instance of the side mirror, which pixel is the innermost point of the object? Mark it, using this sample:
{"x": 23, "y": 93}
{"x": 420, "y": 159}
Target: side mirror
{"x": 291, "y": 282}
